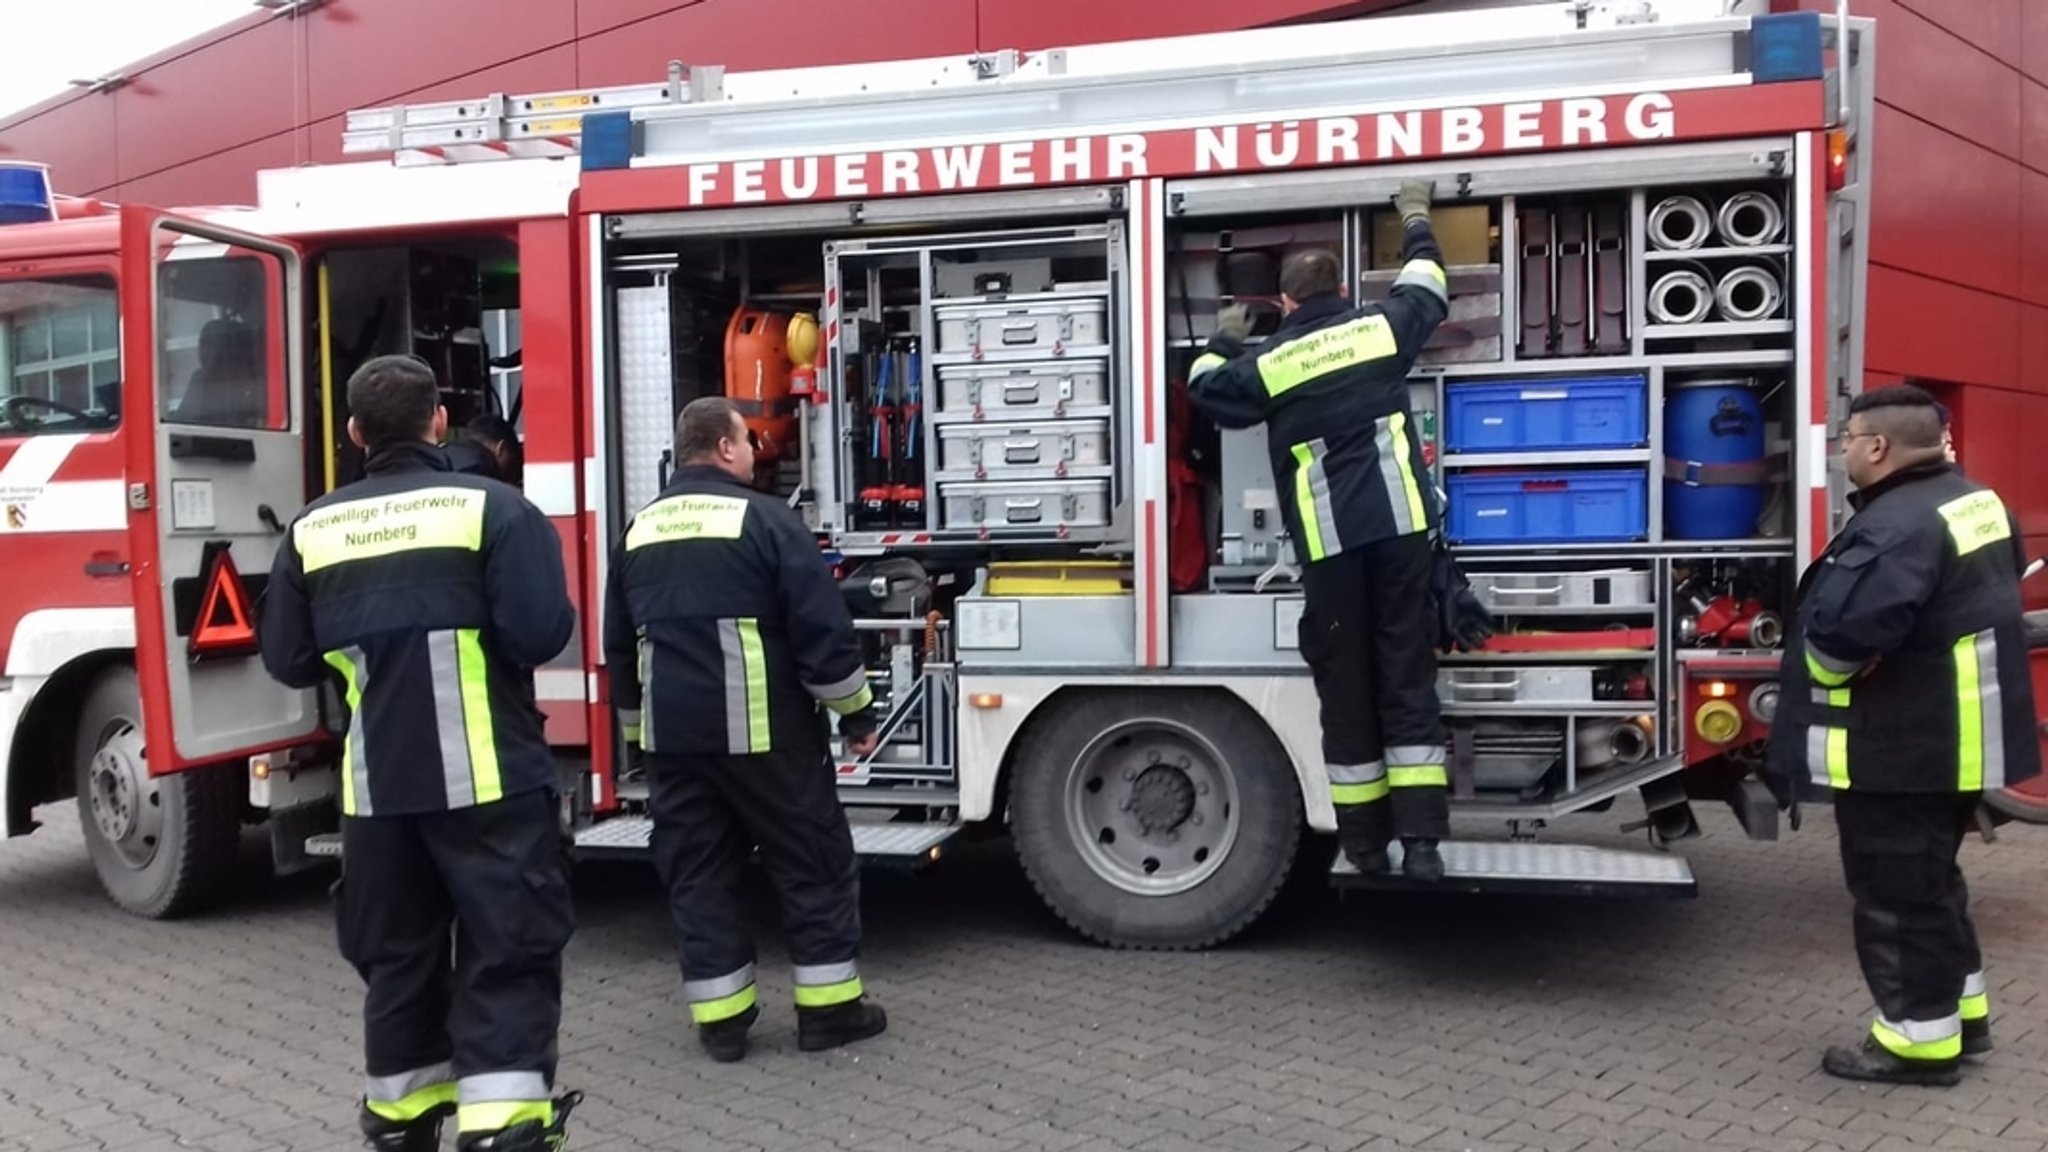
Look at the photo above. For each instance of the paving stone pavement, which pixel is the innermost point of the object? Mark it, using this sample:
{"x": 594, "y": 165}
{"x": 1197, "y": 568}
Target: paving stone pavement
{"x": 1368, "y": 1023}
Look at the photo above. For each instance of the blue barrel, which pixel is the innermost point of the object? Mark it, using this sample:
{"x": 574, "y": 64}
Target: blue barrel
{"x": 25, "y": 193}
{"x": 1714, "y": 483}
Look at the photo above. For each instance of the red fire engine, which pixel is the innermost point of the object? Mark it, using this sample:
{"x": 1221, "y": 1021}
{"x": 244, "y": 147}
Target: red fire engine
{"x": 955, "y": 297}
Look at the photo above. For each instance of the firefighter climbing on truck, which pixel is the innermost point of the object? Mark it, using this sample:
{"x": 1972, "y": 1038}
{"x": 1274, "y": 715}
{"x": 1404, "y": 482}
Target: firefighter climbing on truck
{"x": 1333, "y": 390}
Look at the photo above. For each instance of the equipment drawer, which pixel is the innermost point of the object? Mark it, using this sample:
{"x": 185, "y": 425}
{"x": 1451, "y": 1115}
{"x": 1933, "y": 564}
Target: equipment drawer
{"x": 1025, "y": 504}
{"x": 1515, "y": 685}
{"x": 1046, "y": 326}
{"x": 999, "y": 389}
{"x": 1508, "y": 592}
{"x": 993, "y": 449}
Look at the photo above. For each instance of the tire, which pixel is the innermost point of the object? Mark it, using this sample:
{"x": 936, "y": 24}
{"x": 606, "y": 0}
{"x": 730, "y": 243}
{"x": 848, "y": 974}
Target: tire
{"x": 163, "y": 847}
{"x": 1189, "y": 782}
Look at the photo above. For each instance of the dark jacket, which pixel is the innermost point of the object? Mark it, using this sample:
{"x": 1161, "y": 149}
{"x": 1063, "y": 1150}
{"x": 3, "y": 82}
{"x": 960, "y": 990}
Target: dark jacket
{"x": 1906, "y": 666}
{"x": 435, "y": 595}
{"x": 723, "y": 628}
{"x": 471, "y": 458}
{"x": 1332, "y": 389}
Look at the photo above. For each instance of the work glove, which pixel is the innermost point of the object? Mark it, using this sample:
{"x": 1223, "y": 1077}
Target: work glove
{"x": 1780, "y": 775}
{"x": 1463, "y": 623}
{"x": 1234, "y": 321}
{"x": 1412, "y": 201}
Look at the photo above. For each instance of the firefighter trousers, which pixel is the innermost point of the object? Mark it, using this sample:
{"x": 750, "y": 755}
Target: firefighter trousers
{"x": 456, "y": 923}
{"x": 1368, "y": 633}
{"x": 1914, "y": 939}
{"x": 710, "y": 812}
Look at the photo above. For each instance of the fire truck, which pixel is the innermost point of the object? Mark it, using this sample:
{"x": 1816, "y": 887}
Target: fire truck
{"x": 956, "y": 300}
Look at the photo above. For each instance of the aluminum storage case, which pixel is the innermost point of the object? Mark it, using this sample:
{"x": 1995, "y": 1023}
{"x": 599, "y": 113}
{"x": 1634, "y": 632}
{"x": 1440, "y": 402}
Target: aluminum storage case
{"x": 995, "y": 391}
{"x": 1050, "y": 325}
{"x": 1591, "y": 591}
{"x": 1024, "y": 504}
{"x": 1023, "y": 449}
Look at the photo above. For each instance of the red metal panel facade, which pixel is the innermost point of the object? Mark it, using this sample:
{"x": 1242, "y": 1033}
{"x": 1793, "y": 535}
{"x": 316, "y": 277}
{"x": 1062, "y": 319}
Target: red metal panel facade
{"x": 75, "y": 137}
{"x": 745, "y": 35}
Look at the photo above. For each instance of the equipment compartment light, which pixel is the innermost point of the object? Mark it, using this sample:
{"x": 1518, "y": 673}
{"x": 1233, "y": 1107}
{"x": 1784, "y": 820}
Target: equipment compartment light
{"x": 1763, "y": 701}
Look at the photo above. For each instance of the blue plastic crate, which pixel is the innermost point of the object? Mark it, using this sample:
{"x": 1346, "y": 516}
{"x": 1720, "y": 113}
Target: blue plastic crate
{"x": 1547, "y": 414}
{"x": 1597, "y": 504}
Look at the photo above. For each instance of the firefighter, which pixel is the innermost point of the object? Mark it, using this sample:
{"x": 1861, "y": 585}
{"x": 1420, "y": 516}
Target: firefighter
{"x": 1331, "y": 385}
{"x": 726, "y": 637}
{"x": 1905, "y": 695}
{"x": 435, "y": 595}
{"x": 487, "y": 446}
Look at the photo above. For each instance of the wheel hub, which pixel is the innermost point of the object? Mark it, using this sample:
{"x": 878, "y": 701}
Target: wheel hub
{"x": 1152, "y": 806}
{"x": 1162, "y": 798}
{"x": 125, "y": 802}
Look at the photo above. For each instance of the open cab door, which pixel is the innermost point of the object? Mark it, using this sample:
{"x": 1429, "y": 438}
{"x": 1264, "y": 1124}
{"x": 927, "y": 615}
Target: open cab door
{"x": 213, "y": 405}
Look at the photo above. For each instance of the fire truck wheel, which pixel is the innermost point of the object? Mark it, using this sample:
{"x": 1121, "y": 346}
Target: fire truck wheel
{"x": 1154, "y": 819}
{"x": 162, "y": 846}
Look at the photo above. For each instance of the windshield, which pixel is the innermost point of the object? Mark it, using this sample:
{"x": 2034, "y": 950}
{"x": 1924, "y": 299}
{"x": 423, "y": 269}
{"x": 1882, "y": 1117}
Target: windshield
{"x": 60, "y": 354}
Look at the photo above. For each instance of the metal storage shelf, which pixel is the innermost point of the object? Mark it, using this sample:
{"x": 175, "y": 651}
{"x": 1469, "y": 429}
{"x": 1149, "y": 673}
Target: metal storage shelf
{"x": 1547, "y": 710}
{"x": 1022, "y": 356}
{"x": 1717, "y": 253}
{"x": 1546, "y": 459}
{"x": 1021, "y": 415}
{"x": 1671, "y": 548}
{"x": 1717, "y": 329}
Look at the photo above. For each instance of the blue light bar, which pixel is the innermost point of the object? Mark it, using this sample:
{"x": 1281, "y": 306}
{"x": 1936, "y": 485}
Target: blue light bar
{"x": 1785, "y": 47}
{"x": 609, "y": 140}
{"x": 25, "y": 193}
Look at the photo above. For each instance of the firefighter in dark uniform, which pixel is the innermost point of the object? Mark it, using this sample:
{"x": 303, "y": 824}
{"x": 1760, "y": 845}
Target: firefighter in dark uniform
{"x": 726, "y": 639}
{"x": 1331, "y": 386}
{"x": 1904, "y": 695}
{"x": 434, "y": 595}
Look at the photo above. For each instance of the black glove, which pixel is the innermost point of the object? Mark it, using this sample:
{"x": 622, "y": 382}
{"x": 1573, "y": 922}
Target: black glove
{"x": 1780, "y": 777}
{"x": 1463, "y": 623}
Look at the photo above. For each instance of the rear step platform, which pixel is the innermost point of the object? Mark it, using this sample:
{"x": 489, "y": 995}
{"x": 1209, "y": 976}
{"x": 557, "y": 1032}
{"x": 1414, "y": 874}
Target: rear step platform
{"x": 911, "y": 845}
{"x": 1522, "y": 867}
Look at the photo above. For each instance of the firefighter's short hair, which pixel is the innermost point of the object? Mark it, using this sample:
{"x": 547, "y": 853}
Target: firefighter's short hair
{"x": 1314, "y": 272}
{"x": 702, "y": 423}
{"x": 1903, "y": 414}
{"x": 393, "y": 399}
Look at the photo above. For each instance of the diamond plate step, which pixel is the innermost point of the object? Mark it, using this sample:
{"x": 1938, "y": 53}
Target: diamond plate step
{"x": 874, "y": 843}
{"x": 1514, "y": 866}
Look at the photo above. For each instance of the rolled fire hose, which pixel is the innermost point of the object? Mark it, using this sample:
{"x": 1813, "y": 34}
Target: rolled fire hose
{"x": 1750, "y": 220}
{"x": 1678, "y": 223}
{"x": 1681, "y": 296}
{"x": 1748, "y": 293}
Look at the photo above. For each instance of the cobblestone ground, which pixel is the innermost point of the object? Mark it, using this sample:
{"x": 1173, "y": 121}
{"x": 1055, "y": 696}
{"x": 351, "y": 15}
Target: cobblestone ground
{"x": 1383, "y": 1022}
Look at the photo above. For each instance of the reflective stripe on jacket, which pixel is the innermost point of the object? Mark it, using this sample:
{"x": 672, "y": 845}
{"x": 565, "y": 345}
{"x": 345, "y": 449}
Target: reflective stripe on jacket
{"x": 433, "y": 595}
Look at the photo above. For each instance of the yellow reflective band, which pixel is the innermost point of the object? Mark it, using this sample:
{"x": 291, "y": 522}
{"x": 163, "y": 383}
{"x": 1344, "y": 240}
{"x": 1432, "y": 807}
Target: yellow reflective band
{"x": 1425, "y": 270}
{"x": 415, "y": 1105}
{"x": 1364, "y": 793}
{"x": 826, "y": 995}
{"x": 341, "y": 663}
{"x": 1397, "y": 432}
{"x": 757, "y": 683}
{"x": 1976, "y": 520}
{"x": 848, "y": 705}
{"x": 1947, "y": 1048}
{"x": 476, "y": 716}
{"x": 383, "y": 525}
{"x": 1838, "y": 744}
{"x": 1969, "y": 718}
{"x": 1328, "y": 350}
{"x": 723, "y": 1008}
{"x": 688, "y": 518}
{"x": 1204, "y": 364}
{"x": 1976, "y": 1007}
{"x": 1305, "y": 502}
{"x": 492, "y": 1115}
{"x": 1823, "y": 675}
{"x": 1418, "y": 776}
{"x": 632, "y": 733}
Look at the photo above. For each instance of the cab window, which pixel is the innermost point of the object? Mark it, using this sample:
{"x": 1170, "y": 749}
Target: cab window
{"x": 218, "y": 349}
{"x": 60, "y": 355}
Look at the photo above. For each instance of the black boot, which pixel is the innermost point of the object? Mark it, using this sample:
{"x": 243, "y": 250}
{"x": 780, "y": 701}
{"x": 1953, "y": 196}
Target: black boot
{"x": 1873, "y": 1061}
{"x": 1977, "y": 1037}
{"x": 1368, "y": 861}
{"x": 1420, "y": 861}
{"x": 726, "y": 1040}
{"x": 420, "y": 1134}
{"x": 820, "y": 1028}
{"x": 531, "y": 1136}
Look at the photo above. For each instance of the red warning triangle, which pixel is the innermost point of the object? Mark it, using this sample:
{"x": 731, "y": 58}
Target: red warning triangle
{"x": 225, "y": 623}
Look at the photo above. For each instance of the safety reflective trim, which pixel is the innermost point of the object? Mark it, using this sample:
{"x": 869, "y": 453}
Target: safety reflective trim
{"x": 1204, "y": 364}
{"x": 1356, "y": 773}
{"x": 1407, "y": 498}
{"x": 1326, "y": 350}
{"x": 1976, "y": 1001}
{"x": 645, "y": 648}
{"x": 757, "y": 682}
{"x": 629, "y": 720}
{"x": 834, "y": 973}
{"x": 494, "y": 1115}
{"x": 691, "y": 517}
{"x": 1827, "y": 671}
{"x": 1827, "y": 749}
{"x": 1401, "y": 755}
{"x": 845, "y": 696}
{"x": 827, "y": 995}
{"x": 385, "y": 525}
{"x": 511, "y": 1087}
{"x": 1425, "y": 274}
{"x": 477, "y": 721}
{"x": 355, "y": 771}
{"x": 1920, "y": 1039}
{"x": 444, "y": 662}
{"x": 1976, "y": 520}
{"x": 1312, "y": 500}
{"x": 407, "y": 1096}
{"x": 1350, "y": 794}
{"x": 1420, "y": 776}
{"x": 1980, "y": 718}
{"x": 714, "y": 987}
{"x": 724, "y": 1007}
